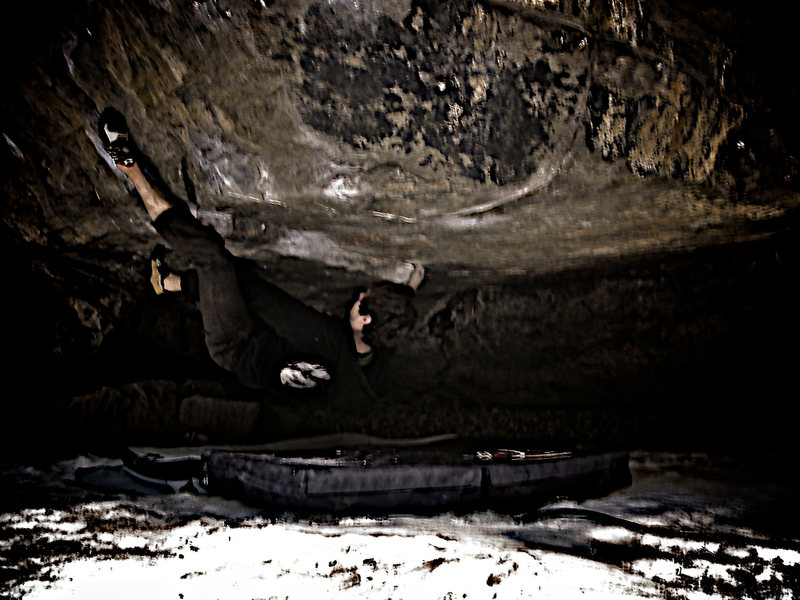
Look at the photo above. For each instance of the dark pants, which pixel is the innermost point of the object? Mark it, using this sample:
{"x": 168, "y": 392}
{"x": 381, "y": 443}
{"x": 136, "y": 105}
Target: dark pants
{"x": 250, "y": 325}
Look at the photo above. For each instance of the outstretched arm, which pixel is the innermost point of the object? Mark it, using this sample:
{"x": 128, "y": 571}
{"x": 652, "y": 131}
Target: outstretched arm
{"x": 417, "y": 277}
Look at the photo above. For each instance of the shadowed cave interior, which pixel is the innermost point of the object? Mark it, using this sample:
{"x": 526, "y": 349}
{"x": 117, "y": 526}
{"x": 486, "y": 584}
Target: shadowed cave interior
{"x": 604, "y": 195}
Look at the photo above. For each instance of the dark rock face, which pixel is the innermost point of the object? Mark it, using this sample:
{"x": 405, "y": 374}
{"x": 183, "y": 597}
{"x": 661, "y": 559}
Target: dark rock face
{"x": 605, "y": 194}
{"x": 457, "y": 85}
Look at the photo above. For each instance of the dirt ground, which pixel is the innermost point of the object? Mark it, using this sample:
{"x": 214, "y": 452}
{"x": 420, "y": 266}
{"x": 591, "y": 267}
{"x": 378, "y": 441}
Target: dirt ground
{"x": 689, "y": 526}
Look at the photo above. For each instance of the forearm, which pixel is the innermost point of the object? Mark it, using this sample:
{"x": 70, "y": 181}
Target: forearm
{"x": 416, "y": 277}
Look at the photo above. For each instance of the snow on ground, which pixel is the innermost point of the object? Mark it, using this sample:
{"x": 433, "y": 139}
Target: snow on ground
{"x": 680, "y": 531}
{"x": 403, "y": 558}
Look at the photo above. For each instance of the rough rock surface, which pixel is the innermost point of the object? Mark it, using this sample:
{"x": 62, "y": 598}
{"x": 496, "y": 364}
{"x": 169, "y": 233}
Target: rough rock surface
{"x": 604, "y": 193}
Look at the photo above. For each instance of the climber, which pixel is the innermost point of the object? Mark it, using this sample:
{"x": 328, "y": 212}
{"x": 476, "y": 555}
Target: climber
{"x": 266, "y": 337}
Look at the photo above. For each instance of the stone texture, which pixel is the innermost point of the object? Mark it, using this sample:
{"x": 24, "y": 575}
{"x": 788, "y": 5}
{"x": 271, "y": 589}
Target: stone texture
{"x": 605, "y": 194}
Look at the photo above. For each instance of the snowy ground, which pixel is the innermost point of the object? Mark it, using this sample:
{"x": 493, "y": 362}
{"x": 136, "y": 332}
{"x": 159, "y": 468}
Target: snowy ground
{"x": 690, "y": 526}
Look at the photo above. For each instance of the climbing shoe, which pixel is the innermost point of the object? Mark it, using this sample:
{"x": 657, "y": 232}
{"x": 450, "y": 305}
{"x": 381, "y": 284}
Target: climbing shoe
{"x": 158, "y": 269}
{"x": 116, "y": 137}
{"x": 189, "y": 287}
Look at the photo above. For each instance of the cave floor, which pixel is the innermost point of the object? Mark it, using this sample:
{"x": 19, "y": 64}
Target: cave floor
{"x": 690, "y": 525}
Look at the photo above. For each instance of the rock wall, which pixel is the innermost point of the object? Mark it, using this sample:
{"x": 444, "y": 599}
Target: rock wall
{"x": 407, "y": 111}
{"x": 544, "y": 158}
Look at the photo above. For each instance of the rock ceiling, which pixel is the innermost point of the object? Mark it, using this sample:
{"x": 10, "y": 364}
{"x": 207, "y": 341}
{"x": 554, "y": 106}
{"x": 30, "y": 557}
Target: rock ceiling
{"x": 585, "y": 180}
